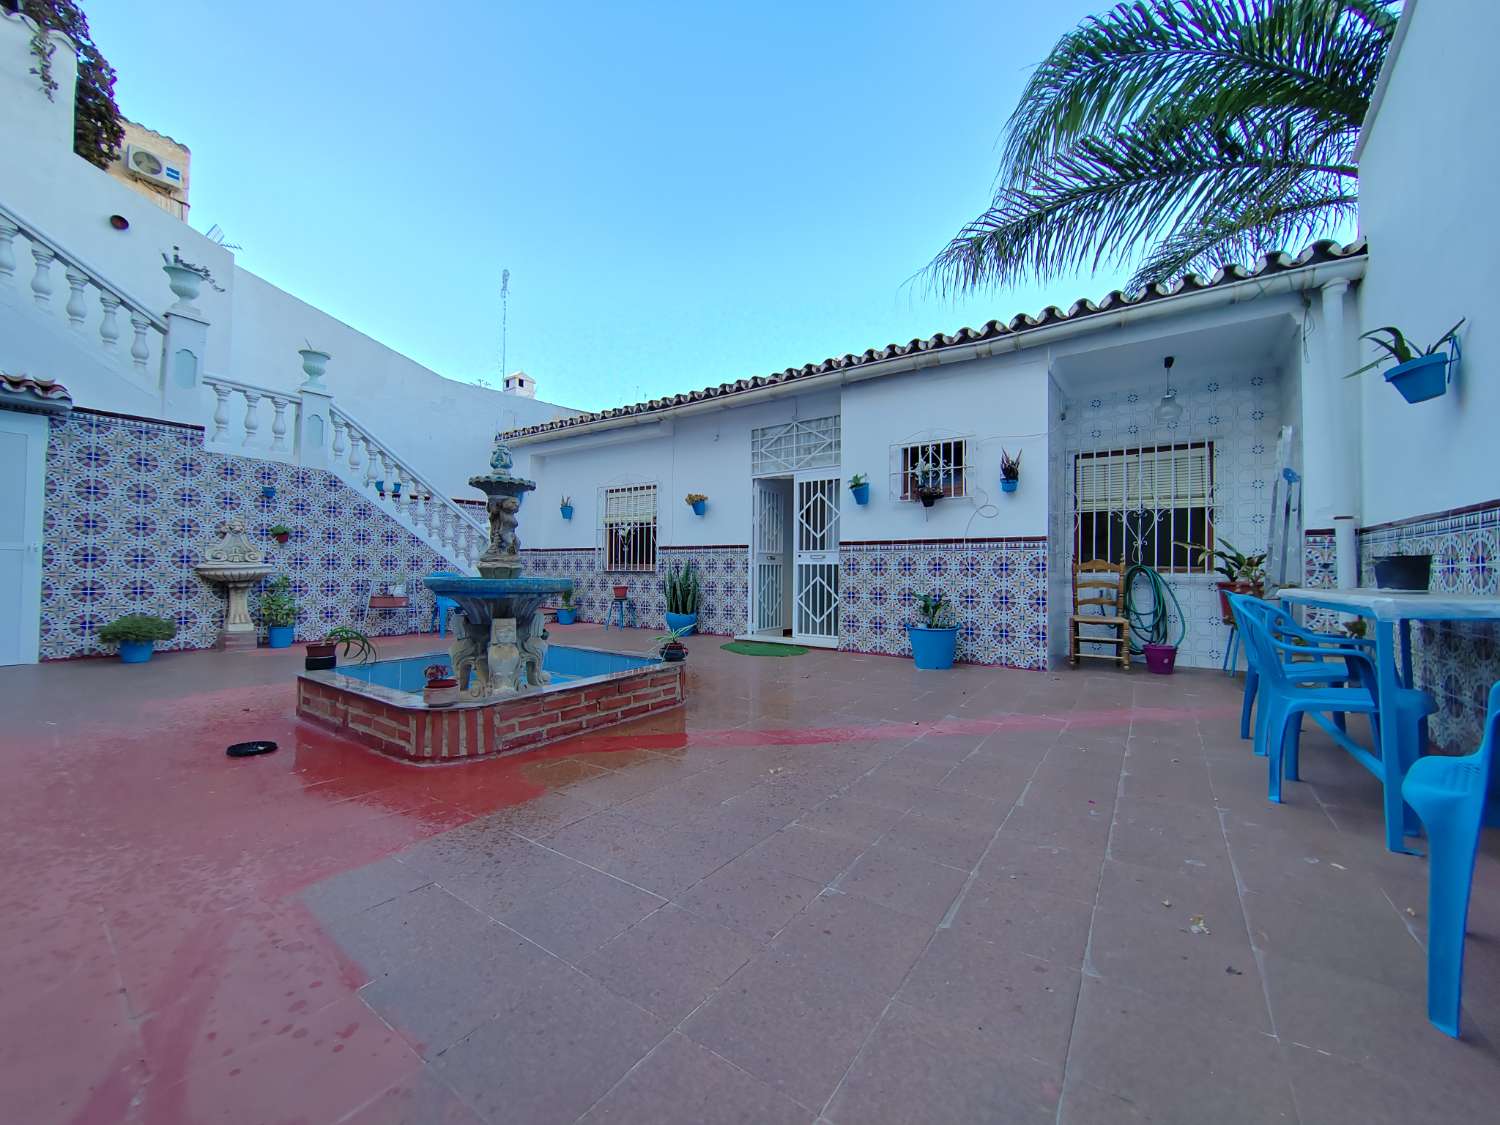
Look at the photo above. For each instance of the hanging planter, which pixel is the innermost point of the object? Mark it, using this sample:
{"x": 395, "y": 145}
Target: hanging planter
{"x": 268, "y": 491}
{"x": 859, "y": 485}
{"x": 929, "y": 496}
{"x": 566, "y": 507}
{"x": 279, "y": 532}
{"x": 1418, "y": 375}
{"x": 1010, "y": 471}
{"x": 698, "y": 502}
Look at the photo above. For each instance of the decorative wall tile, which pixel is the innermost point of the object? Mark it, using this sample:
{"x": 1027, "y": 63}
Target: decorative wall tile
{"x": 998, "y": 588}
{"x": 722, "y": 572}
{"x": 131, "y": 505}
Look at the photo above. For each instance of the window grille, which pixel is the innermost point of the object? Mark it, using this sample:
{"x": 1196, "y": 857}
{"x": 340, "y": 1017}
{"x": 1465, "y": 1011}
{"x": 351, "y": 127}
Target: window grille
{"x": 935, "y": 466}
{"x": 1150, "y": 505}
{"x": 808, "y": 443}
{"x": 627, "y": 528}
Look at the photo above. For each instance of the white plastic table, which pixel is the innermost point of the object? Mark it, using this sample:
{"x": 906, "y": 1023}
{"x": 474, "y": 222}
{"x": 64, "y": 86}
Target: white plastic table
{"x": 1389, "y": 609}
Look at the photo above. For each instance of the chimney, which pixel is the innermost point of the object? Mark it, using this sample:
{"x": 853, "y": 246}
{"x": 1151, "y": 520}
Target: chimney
{"x": 520, "y": 383}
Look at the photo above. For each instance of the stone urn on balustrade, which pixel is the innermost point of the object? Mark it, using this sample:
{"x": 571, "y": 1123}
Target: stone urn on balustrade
{"x": 236, "y": 564}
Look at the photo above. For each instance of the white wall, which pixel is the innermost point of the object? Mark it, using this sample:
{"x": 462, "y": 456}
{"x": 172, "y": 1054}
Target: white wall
{"x": 255, "y": 328}
{"x": 1427, "y": 189}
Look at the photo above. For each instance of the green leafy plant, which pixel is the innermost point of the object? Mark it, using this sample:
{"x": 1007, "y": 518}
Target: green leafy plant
{"x": 858, "y": 479}
{"x": 930, "y": 481}
{"x": 567, "y": 502}
{"x": 670, "y": 639}
{"x": 351, "y": 642}
{"x": 682, "y": 589}
{"x": 1399, "y": 349}
{"x": 138, "y": 627}
{"x": 1010, "y": 467}
{"x": 695, "y": 497}
{"x": 438, "y": 674}
{"x": 567, "y": 599}
{"x": 98, "y": 127}
{"x": 1234, "y": 564}
{"x": 934, "y": 611}
{"x": 278, "y": 529}
{"x": 277, "y": 605}
{"x": 1178, "y": 135}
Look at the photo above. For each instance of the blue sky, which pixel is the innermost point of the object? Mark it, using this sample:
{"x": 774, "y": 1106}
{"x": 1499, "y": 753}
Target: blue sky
{"x": 684, "y": 193}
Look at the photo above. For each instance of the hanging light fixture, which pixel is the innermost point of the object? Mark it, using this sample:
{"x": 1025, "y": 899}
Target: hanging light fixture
{"x": 1169, "y": 410}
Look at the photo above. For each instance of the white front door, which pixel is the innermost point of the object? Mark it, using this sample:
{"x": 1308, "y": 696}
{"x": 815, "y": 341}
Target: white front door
{"x": 815, "y": 584}
{"x": 23, "y": 465}
{"x": 768, "y": 566}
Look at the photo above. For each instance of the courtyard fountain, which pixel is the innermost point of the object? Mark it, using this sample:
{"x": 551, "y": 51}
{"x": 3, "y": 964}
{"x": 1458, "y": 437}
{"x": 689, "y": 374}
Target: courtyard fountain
{"x": 499, "y": 632}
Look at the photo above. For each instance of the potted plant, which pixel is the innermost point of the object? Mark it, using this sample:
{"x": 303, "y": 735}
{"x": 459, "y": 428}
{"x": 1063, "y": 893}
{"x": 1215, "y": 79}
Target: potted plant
{"x": 683, "y": 595}
{"x": 323, "y": 654}
{"x": 933, "y": 636}
{"x": 566, "y": 507}
{"x": 697, "y": 501}
{"x": 279, "y": 532}
{"x": 671, "y": 648}
{"x": 859, "y": 484}
{"x": 442, "y": 688}
{"x": 1010, "y": 470}
{"x": 567, "y": 613}
{"x": 137, "y": 634}
{"x": 1243, "y": 574}
{"x": 928, "y": 483}
{"x": 621, "y": 591}
{"x": 1419, "y": 374}
{"x": 278, "y": 611}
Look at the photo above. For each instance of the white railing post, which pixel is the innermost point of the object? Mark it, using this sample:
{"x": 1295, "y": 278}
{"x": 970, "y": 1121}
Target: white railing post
{"x": 278, "y": 423}
{"x": 109, "y": 326}
{"x": 8, "y": 232}
{"x": 221, "y": 413}
{"x": 41, "y": 280}
{"x": 76, "y": 309}
{"x": 314, "y": 413}
{"x": 139, "y": 351}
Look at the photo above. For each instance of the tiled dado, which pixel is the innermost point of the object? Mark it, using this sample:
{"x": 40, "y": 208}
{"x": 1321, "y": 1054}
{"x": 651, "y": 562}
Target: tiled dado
{"x": 722, "y": 572}
{"x": 131, "y": 505}
{"x": 1456, "y": 661}
{"x": 1319, "y": 573}
{"x": 998, "y": 588}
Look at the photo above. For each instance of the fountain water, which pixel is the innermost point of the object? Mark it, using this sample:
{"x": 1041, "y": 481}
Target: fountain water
{"x": 500, "y": 631}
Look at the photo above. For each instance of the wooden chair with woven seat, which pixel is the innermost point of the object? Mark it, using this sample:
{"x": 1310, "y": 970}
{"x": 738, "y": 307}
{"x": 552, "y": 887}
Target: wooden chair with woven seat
{"x": 1099, "y": 600}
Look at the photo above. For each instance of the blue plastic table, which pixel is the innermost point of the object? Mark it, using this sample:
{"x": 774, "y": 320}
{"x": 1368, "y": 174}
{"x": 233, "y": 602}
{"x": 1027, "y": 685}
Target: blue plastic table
{"x": 1388, "y": 610}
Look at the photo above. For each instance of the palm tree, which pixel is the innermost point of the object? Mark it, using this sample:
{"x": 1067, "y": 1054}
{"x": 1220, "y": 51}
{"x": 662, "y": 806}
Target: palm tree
{"x": 1181, "y": 134}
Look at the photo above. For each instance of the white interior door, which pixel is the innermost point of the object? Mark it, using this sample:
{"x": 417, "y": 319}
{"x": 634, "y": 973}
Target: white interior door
{"x": 768, "y": 566}
{"x": 815, "y": 584}
{"x": 23, "y": 463}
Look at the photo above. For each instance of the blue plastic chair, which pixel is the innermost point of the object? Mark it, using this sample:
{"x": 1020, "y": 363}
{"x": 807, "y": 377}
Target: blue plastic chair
{"x": 1284, "y": 626}
{"x": 442, "y": 606}
{"x": 1284, "y": 700}
{"x": 1449, "y": 795}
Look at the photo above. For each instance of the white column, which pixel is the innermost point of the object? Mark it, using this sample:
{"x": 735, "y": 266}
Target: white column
{"x": 77, "y": 309}
{"x": 184, "y": 349}
{"x": 221, "y": 412}
{"x": 252, "y": 418}
{"x": 139, "y": 351}
{"x": 109, "y": 325}
{"x": 278, "y": 424}
{"x": 41, "y": 280}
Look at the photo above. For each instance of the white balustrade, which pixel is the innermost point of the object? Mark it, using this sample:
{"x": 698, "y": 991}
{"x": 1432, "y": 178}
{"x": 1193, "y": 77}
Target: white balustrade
{"x": 76, "y": 308}
{"x": 41, "y": 280}
{"x": 109, "y": 326}
{"x": 278, "y": 423}
{"x": 8, "y": 232}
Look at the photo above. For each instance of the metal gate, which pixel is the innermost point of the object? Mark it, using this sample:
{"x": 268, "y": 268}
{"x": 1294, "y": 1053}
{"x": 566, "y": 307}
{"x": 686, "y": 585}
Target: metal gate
{"x": 815, "y": 587}
{"x": 768, "y": 567}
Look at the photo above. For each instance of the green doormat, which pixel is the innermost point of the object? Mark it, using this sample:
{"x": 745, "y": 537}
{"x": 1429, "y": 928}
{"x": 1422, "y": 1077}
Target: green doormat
{"x": 760, "y": 648}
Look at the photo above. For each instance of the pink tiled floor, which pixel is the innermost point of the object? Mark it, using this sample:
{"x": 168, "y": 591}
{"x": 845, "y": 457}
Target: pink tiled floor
{"x": 833, "y": 888}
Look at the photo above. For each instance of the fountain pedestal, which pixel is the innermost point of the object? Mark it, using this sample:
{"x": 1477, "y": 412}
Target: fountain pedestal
{"x": 236, "y": 564}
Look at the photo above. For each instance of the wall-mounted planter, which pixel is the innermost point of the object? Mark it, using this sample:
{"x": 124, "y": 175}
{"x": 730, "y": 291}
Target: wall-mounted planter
{"x": 861, "y": 493}
{"x": 268, "y": 491}
{"x": 566, "y": 510}
{"x": 1422, "y": 378}
{"x": 699, "y": 507}
{"x": 929, "y": 498}
{"x": 280, "y": 636}
{"x": 932, "y": 649}
{"x": 1009, "y": 484}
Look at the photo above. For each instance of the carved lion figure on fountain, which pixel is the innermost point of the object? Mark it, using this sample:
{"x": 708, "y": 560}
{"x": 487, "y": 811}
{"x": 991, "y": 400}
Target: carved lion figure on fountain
{"x": 534, "y": 651}
{"x": 470, "y": 649}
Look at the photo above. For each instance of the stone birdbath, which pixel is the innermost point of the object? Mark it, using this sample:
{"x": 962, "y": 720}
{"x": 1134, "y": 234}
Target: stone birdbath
{"x": 236, "y": 564}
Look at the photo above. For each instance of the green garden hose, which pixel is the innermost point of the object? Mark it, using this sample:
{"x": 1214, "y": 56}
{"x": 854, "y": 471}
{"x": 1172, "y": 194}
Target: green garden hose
{"x": 1153, "y": 625}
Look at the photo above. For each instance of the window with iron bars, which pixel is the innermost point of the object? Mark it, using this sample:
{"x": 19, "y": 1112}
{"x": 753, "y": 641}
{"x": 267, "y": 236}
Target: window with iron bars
{"x": 1151, "y": 505}
{"x": 937, "y": 467}
{"x": 806, "y": 443}
{"x": 627, "y": 528}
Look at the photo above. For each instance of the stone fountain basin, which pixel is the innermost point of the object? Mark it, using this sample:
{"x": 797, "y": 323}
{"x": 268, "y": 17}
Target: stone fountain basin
{"x": 483, "y": 599}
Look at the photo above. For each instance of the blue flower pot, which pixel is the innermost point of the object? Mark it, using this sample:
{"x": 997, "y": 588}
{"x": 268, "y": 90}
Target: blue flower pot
{"x": 1422, "y": 378}
{"x": 567, "y": 511}
{"x": 280, "y": 636}
{"x": 567, "y": 615}
{"x": 932, "y": 649}
{"x": 1008, "y": 485}
{"x": 680, "y": 621}
{"x": 136, "y": 652}
{"x": 861, "y": 493}
{"x": 268, "y": 491}
{"x": 699, "y": 507}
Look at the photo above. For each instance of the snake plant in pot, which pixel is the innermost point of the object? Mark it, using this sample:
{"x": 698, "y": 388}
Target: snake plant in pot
{"x": 933, "y": 636}
{"x": 683, "y": 598}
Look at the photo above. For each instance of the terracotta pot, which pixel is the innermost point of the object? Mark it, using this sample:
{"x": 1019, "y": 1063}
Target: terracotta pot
{"x": 440, "y": 693}
{"x": 1254, "y": 589}
{"x": 321, "y": 655}
{"x": 621, "y": 593}
{"x": 282, "y": 536}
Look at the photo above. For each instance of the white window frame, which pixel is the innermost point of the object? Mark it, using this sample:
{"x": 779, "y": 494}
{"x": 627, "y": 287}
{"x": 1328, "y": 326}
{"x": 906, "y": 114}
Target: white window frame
{"x": 627, "y": 539}
{"x": 789, "y": 447}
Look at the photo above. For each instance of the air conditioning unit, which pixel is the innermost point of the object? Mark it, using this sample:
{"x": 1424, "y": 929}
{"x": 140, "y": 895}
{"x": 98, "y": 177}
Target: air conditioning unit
{"x": 148, "y": 165}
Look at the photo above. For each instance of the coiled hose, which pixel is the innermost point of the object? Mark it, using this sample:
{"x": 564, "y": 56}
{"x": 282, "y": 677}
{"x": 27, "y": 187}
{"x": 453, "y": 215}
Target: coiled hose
{"x": 1152, "y": 625}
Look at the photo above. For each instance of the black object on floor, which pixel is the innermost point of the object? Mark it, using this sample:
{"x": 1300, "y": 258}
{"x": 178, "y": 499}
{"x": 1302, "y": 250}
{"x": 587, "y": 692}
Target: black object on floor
{"x": 250, "y": 749}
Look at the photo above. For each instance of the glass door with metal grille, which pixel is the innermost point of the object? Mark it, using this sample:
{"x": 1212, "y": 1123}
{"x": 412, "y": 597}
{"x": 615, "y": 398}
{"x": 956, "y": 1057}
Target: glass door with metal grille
{"x": 768, "y": 564}
{"x": 815, "y": 583}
